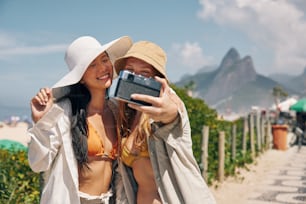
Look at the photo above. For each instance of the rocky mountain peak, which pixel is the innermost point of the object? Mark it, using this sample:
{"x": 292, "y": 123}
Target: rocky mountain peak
{"x": 230, "y": 58}
{"x": 235, "y": 85}
{"x": 231, "y": 75}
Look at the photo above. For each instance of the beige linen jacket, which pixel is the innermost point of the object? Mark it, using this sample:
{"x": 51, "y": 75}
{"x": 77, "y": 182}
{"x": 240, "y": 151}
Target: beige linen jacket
{"x": 51, "y": 152}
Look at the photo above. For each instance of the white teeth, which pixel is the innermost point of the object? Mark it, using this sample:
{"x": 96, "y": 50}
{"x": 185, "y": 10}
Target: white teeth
{"x": 103, "y": 77}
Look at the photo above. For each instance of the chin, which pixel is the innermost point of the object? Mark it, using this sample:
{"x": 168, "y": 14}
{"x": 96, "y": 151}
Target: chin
{"x": 108, "y": 83}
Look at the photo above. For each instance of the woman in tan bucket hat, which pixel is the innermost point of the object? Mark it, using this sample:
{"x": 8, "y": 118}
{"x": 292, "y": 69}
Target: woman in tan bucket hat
{"x": 156, "y": 163}
{"x": 73, "y": 139}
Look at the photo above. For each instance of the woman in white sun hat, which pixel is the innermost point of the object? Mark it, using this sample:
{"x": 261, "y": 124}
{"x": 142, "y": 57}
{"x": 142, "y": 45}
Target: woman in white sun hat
{"x": 73, "y": 139}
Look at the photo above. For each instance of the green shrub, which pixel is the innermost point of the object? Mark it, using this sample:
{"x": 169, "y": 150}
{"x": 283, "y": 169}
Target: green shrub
{"x": 18, "y": 183}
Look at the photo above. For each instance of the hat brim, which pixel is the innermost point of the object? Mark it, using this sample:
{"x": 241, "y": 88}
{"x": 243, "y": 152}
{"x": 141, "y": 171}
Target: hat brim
{"x": 115, "y": 48}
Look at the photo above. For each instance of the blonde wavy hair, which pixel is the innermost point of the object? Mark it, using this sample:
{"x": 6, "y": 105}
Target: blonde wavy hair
{"x": 126, "y": 119}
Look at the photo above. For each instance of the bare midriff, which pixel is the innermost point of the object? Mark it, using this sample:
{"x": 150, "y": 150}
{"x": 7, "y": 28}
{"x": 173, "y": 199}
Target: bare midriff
{"x": 97, "y": 179}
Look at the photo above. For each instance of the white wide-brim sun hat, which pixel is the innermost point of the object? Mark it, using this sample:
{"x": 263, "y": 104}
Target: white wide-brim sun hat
{"x": 82, "y": 51}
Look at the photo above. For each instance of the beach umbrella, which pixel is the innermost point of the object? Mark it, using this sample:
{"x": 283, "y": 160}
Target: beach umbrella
{"x": 299, "y": 106}
{"x": 12, "y": 145}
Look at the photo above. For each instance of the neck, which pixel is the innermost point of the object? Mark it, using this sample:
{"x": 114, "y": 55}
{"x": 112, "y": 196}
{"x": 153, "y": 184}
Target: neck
{"x": 96, "y": 105}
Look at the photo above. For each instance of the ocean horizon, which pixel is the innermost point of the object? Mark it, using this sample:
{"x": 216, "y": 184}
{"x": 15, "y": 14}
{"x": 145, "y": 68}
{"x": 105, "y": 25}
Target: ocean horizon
{"x": 7, "y": 112}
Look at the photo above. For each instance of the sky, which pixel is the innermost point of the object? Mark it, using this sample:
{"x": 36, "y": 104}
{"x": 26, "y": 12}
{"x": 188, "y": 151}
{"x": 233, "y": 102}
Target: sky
{"x": 195, "y": 35}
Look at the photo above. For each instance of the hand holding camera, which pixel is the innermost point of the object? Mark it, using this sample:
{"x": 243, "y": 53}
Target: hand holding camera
{"x": 150, "y": 96}
{"x": 164, "y": 108}
{"x": 129, "y": 83}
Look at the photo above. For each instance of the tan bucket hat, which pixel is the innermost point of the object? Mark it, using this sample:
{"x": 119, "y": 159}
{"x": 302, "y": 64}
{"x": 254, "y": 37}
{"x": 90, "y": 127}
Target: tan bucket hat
{"x": 148, "y": 52}
{"x": 82, "y": 51}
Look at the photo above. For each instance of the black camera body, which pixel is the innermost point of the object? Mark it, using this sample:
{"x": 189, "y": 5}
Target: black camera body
{"x": 128, "y": 83}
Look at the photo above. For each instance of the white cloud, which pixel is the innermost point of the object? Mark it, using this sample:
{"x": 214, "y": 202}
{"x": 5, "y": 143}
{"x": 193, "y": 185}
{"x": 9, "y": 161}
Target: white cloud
{"x": 10, "y": 47}
{"x": 190, "y": 55}
{"x": 6, "y": 40}
{"x": 279, "y": 26}
{"x": 186, "y": 58}
{"x": 34, "y": 50}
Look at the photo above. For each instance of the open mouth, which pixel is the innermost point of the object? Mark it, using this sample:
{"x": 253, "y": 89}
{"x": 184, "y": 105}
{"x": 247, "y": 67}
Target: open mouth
{"x": 104, "y": 77}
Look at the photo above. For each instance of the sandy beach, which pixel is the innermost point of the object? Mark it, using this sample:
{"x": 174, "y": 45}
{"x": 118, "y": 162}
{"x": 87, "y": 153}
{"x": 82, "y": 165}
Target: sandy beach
{"x": 16, "y": 133}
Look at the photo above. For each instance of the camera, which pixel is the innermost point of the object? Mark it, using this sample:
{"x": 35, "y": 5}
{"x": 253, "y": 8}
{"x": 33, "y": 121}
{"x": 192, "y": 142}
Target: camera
{"x": 128, "y": 83}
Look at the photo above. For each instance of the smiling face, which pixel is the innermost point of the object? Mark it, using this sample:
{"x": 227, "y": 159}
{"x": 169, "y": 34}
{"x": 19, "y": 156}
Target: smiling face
{"x": 99, "y": 73}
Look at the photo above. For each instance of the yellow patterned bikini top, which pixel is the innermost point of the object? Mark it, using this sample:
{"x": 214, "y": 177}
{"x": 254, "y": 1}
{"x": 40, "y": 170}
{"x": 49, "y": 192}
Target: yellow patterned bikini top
{"x": 129, "y": 157}
{"x": 96, "y": 146}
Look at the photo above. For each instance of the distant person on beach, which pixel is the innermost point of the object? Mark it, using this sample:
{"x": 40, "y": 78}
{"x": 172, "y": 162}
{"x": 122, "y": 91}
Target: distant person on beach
{"x": 73, "y": 139}
{"x": 156, "y": 164}
{"x": 14, "y": 120}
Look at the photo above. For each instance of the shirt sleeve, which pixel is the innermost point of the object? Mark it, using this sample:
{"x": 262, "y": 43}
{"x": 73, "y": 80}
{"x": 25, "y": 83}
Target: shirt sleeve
{"x": 176, "y": 131}
{"x": 46, "y": 136}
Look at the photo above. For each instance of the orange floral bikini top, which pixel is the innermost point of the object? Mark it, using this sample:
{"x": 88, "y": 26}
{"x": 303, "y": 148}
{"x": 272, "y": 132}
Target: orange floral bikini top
{"x": 96, "y": 146}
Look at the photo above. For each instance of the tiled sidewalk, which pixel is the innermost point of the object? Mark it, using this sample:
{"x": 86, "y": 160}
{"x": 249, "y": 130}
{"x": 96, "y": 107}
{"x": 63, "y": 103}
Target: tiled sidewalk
{"x": 286, "y": 184}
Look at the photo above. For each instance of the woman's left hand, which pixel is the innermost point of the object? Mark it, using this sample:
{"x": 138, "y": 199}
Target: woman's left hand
{"x": 164, "y": 108}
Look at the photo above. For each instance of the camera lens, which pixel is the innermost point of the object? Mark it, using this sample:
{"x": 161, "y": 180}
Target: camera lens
{"x": 130, "y": 77}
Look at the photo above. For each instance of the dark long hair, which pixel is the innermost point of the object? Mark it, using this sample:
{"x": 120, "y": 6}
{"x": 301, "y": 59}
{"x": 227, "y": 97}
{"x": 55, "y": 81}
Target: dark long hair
{"x": 79, "y": 97}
